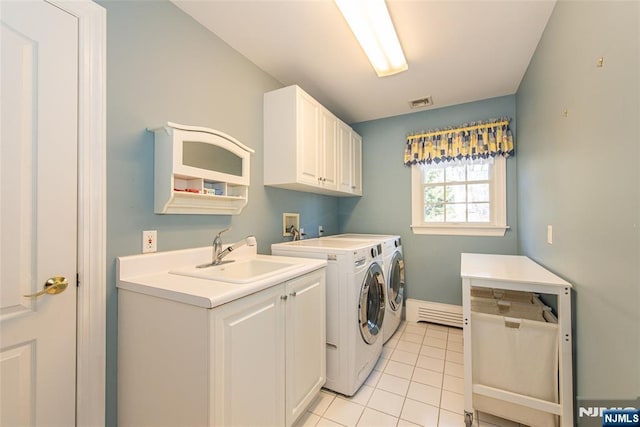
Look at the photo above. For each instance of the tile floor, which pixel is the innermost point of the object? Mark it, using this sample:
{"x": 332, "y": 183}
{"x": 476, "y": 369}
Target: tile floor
{"x": 418, "y": 381}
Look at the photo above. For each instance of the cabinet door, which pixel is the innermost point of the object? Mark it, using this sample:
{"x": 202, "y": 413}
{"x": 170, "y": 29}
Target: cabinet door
{"x": 248, "y": 360}
{"x": 305, "y": 342}
{"x": 345, "y": 155}
{"x": 308, "y": 140}
{"x": 328, "y": 156}
{"x": 356, "y": 164}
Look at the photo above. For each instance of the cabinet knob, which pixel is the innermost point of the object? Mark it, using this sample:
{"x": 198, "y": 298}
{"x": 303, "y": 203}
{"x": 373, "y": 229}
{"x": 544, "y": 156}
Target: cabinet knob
{"x": 293, "y": 294}
{"x": 283, "y": 297}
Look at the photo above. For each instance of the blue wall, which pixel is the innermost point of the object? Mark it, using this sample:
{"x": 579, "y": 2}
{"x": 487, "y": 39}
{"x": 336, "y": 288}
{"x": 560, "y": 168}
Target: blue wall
{"x": 163, "y": 66}
{"x": 579, "y": 173}
{"x": 432, "y": 262}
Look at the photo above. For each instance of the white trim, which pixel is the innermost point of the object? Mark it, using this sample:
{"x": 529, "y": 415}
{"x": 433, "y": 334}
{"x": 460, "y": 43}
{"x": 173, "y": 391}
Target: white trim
{"x": 498, "y": 208}
{"x": 91, "y": 322}
{"x": 205, "y": 130}
{"x": 461, "y": 230}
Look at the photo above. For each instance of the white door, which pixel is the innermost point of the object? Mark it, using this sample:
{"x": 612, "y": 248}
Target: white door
{"x": 38, "y": 213}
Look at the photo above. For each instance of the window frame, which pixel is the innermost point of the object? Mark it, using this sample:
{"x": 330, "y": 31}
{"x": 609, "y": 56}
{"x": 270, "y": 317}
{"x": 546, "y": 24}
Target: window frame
{"x": 498, "y": 193}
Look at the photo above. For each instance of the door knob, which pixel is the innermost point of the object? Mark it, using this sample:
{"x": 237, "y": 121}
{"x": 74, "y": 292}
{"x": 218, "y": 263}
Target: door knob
{"x": 53, "y": 286}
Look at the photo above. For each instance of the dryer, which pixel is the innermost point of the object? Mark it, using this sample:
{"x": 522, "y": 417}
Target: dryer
{"x": 393, "y": 261}
{"x": 355, "y": 305}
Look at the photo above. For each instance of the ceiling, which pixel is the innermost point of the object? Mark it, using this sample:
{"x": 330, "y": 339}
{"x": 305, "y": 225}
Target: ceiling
{"x": 458, "y": 51}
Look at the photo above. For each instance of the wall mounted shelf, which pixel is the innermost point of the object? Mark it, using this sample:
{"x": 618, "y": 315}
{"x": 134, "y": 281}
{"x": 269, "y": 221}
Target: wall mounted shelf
{"x": 199, "y": 171}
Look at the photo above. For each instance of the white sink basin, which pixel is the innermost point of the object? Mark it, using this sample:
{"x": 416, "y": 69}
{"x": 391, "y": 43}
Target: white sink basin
{"x": 243, "y": 271}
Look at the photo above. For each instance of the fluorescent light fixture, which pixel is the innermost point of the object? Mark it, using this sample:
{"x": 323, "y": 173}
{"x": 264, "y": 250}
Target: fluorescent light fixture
{"x": 371, "y": 24}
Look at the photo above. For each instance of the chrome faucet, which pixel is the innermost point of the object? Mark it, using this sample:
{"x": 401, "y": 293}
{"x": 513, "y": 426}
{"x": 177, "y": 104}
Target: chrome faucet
{"x": 217, "y": 246}
{"x": 218, "y": 253}
{"x": 294, "y": 233}
{"x": 249, "y": 241}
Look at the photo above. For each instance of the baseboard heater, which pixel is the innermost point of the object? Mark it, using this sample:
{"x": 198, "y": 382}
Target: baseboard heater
{"x": 434, "y": 312}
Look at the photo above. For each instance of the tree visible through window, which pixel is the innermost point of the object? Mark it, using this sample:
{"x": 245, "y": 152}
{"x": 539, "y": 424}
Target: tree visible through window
{"x": 457, "y": 194}
{"x": 459, "y": 199}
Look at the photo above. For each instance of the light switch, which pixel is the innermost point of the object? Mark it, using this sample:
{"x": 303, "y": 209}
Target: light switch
{"x": 550, "y": 234}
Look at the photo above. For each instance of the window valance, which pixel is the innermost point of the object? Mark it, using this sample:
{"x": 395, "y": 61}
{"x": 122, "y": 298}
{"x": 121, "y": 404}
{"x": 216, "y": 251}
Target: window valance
{"x": 468, "y": 142}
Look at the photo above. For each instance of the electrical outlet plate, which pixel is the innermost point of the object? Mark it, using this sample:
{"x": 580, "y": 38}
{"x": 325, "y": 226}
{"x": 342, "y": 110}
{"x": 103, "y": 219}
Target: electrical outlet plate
{"x": 289, "y": 219}
{"x": 149, "y": 241}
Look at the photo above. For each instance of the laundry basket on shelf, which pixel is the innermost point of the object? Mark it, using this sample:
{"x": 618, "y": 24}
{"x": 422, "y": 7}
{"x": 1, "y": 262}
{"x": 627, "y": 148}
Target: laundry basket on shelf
{"x": 517, "y": 353}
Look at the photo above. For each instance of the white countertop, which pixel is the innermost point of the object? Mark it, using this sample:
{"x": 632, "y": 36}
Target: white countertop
{"x": 507, "y": 268}
{"x": 149, "y": 274}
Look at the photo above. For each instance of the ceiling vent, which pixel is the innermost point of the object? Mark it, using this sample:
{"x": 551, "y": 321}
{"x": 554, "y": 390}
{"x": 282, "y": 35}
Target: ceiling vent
{"x": 423, "y": 102}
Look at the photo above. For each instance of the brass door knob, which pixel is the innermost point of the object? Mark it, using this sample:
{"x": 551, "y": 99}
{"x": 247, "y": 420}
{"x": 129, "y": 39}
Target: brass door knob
{"x": 54, "y": 285}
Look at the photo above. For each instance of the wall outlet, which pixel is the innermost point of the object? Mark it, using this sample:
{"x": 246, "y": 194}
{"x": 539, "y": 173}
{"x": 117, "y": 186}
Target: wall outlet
{"x": 320, "y": 231}
{"x": 149, "y": 241}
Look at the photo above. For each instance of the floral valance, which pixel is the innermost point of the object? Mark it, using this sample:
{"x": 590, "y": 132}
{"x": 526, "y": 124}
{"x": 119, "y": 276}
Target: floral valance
{"x": 469, "y": 142}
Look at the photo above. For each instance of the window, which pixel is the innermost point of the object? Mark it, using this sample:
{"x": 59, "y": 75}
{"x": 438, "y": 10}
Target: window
{"x": 460, "y": 199}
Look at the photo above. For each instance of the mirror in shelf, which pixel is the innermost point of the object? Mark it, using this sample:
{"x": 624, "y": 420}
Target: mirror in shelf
{"x": 210, "y": 157}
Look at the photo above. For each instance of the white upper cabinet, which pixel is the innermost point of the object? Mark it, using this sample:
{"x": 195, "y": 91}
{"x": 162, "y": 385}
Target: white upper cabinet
{"x": 307, "y": 129}
{"x": 356, "y": 163}
{"x": 302, "y": 144}
{"x": 199, "y": 171}
{"x": 350, "y": 167}
{"x": 327, "y": 159}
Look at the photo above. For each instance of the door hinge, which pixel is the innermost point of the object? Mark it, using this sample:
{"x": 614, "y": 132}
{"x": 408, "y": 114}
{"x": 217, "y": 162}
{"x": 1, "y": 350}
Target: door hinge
{"x": 77, "y": 280}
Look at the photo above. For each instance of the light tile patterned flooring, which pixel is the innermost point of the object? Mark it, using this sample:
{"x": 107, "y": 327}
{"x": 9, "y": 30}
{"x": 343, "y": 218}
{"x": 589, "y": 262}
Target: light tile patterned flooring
{"x": 418, "y": 381}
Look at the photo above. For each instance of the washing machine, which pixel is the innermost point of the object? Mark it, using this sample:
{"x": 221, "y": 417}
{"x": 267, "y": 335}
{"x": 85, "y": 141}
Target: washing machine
{"x": 393, "y": 262}
{"x": 355, "y": 305}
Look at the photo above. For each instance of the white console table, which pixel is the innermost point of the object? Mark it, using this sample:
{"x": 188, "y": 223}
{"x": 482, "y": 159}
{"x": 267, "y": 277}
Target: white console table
{"x": 517, "y": 273}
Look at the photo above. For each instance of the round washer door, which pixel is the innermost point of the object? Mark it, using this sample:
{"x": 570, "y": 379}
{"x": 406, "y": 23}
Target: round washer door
{"x": 396, "y": 282}
{"x": 371, "y": 308}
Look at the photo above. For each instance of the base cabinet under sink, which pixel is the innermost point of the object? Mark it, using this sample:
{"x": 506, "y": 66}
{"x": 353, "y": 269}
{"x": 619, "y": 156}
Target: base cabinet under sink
{"x": 259, "y": 360}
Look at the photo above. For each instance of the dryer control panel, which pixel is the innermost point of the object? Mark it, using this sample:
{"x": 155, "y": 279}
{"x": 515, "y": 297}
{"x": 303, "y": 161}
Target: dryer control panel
{"x": 376, "y": 250}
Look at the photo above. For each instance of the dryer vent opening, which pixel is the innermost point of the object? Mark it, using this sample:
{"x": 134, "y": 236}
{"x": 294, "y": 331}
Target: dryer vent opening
{"x": 434, "y": 312}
